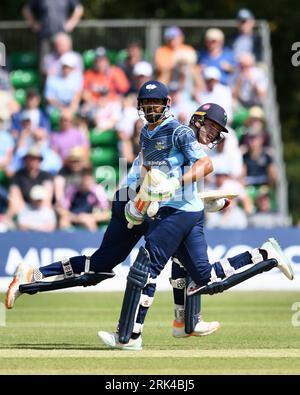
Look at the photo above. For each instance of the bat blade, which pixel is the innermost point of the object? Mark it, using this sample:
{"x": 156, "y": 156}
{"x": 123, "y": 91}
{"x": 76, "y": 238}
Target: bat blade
{"x": 217, "y": 194}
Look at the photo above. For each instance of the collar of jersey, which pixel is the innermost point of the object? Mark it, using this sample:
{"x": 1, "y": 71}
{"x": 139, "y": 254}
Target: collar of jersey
{"x": 151, "y": 133}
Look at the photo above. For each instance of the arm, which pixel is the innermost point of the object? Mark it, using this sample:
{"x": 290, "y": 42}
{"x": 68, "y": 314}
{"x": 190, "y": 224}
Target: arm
{"x": 74, "y": 18}
{"x": 30, "y": 19}
{"x": 201, "y": 168}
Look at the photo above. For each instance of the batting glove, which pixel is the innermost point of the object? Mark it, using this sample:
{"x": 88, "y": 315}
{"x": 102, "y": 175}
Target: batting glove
{"x": 165, "y": 190}
{"x": 132, "y": 215}
{"x": 212, "y": 206}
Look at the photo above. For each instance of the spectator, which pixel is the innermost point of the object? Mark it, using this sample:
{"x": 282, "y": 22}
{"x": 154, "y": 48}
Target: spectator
{"x": 130, "y": 144}
{"x": 265, "y": 216}
{"x": 37, "y": 117}
{"x": 8, "y": 104}
{"x": 85, "y": 205}
{"x": 107, "y": 113}
{"x": 228, "y": 154}
{"x": 69, "y": 137}
{"x": 47, "y": 18}
{"x": 103, "y": 80}
{"x": 233, "y": 217}
{"x": 217, "y": 55}
{"x": 259, "y": 168}
{"x": 142, "y": 72}
{"x": 172, "y": 53}
{"x": 215, "y": 92}
{"x": 62, "y": 44}
{"x": 37, "y": 215}
{"x": 70, "y": 173}
{"x": 27, "y": 177}
{"x": 7, "y": 145}
{"x": 134, "y": 56}
{"x": 38, "y": 137}
{"x": 182, "y": 106}
{"x": 63, "y": 91}
{"x": 249, "y": 85}
{"x": 255, "y": 123}
{"x": 246, "y": 40}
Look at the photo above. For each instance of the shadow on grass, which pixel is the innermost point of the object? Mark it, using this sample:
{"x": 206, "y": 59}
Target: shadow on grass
{"x": 52, "y": 346}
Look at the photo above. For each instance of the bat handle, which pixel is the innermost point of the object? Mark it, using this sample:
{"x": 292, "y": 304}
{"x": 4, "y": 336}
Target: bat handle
{"x": 130, "y": 225}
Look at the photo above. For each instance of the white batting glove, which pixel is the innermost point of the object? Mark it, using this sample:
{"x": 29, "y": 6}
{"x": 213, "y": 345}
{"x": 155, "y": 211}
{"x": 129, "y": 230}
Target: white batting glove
{"x": 164, "y": 190}
{"x": 212, "y": 206}
{"x": 132, "y": 215}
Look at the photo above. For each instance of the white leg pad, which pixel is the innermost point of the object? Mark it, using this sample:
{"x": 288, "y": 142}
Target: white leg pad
{"x": 227, "y": 268}
{"x": 146, "y": 301}
{"x": 256, "y": 256}
{"x": 178, "y": 283}
{"x": 213, "y": 276}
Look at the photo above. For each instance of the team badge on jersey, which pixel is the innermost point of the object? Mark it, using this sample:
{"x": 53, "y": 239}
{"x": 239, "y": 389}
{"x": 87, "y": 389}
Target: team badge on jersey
{"x": 159, "y": 145}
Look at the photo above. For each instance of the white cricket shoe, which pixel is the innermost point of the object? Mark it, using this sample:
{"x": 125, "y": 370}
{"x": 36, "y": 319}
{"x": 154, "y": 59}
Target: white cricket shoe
{"x": 23, "y": 275}
{"x": 111, "y": 339}
{"x": 274, "y": 250}
{"x": 202, "y": 328}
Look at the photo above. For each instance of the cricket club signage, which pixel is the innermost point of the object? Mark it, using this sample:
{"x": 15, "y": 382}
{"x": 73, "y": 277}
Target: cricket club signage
{"x": 41, "y": 249}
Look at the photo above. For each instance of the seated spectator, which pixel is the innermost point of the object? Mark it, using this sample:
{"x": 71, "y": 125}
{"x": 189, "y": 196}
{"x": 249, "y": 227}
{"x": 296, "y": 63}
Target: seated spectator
{"x": 38, "y": 137}
{"x": 63, "y": 91}
{"x": 142, "y": 72}
{"x": 27, "y": 177}
{"x": 227, "y": 153}
{"x": 173, "y": 52}
{"x": 217, "y": 55}
{"x": 246, "y": 40}
{"x": 255, "y": 123}
{"x": 38, "y": 118}
{"x": 62, "y": 44}
{"x": 130, "y": 144}
{"x": 68, "y": 137}
{"x": 265, "y": 215}
{"x": 215, "y": 92}
{"x": 85, "y": 205}
{"x": 234, "y": 216}
{"x": 7, "y": 145}
{"x": 134, "y": 56}
{"x": 107, "y": 113}
{"x": 259, "y": 168}
{"x": 249, "y": 84}
{"x": 70, "y": 173}
{"x": 103, "y": 80}
{"x": 8, "y": 104}
{"x": 126, "y": 127}
{"x": 37, "y": 215}
{"x": 182, "y": 106}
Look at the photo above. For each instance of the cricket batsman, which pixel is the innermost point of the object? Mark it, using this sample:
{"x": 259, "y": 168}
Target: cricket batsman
{"x": 173, "y": 149}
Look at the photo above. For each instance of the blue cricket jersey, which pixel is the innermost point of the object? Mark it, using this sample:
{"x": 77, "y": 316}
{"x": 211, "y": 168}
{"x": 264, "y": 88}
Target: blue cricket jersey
{"x": 172, "y": 148}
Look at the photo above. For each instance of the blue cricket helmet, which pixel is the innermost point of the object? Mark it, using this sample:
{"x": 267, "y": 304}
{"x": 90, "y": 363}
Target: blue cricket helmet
{"x": 153, "y": 90}
{"x": 215, "y": 113}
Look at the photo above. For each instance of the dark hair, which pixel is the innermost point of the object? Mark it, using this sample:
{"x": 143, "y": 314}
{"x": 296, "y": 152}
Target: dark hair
{"x": 32, "y": 92}
{"x": 87, "y": 171}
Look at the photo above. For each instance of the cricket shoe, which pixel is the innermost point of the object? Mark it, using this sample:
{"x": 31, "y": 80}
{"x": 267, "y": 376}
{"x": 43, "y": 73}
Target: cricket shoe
{"x": 274, "y": 251}
{"x": 202, "y": 328}
{"x": 23, "y": 275}
{"x": 111, "y": 339}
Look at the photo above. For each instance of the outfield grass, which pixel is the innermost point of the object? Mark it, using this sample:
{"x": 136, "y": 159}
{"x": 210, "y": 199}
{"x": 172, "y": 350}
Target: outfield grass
{"x": 55, "y": 333}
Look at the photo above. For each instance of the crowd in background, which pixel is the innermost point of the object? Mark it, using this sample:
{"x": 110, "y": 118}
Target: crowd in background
{"x": 53, "y": 145}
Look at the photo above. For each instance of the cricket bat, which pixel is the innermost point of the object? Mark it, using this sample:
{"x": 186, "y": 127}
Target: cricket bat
{"x": 217, "y": 194}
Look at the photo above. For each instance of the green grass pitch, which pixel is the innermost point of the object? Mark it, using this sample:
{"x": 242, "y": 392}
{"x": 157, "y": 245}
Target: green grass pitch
{"x": 55, "y": 333}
